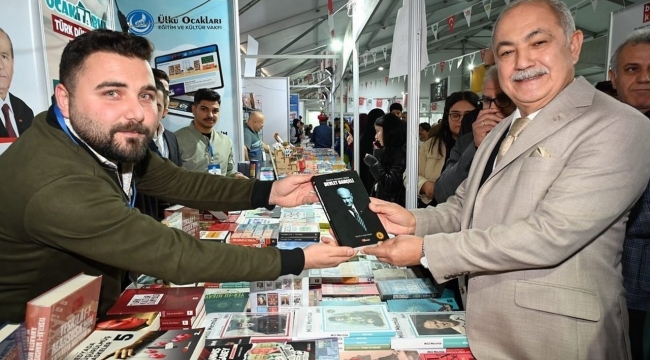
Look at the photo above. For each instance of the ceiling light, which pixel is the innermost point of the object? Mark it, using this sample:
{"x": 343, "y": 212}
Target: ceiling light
{"x": 381, "y": 68}
{"x": 336, "y": 45}
{"x": 437, "y": 79}
{"x": 470, "y": 66}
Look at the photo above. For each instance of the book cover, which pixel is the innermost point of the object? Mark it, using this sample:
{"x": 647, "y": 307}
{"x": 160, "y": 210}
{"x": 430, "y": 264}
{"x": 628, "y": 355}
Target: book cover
{"x": 13, "y": 342}
{"x": 326, "y": 349}
{"x": 345, "y": 290}
{"x": 406, "y": 289}
{"x": 169, "y": 345}
{"x": 421, "y": 305}
{"x": 350, "y": 272}
{"x": 447, "y": 354}
{"x": 62, "y": 317}
{"x": 299, "y": 231}
{"x": 130, "y": 322}
{"x": 289, "y": 245}
{"x": 351, "y": 301}
{"x": 257, "y": 325}
{"x": 168, "y": 301}
{"x": 328, "y": 321}
{"x": 437, "y": 330}
{"x": 393, "y": 274}
{"x": 379, "y": 355}
{"x": 346, "y": 201}
{"x": 229, "y": 301}
{"x": 215, "y": 235}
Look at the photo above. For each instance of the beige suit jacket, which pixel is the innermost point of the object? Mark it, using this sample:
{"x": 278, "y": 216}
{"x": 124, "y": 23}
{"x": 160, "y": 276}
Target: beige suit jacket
{"x": 542, "y": 239}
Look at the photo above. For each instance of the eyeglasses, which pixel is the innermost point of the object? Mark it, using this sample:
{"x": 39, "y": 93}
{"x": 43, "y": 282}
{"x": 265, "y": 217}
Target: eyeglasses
{"x": 456, "y": 116}
{"x": 502, "y": 101}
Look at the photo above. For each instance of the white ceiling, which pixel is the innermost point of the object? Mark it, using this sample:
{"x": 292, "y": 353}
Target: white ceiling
{"x": 286, "y": 27}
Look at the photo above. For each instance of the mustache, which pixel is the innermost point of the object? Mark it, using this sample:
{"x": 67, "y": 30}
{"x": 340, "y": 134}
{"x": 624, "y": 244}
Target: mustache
{"x": 135, "y": 127}
{"x": 528, "y": 73}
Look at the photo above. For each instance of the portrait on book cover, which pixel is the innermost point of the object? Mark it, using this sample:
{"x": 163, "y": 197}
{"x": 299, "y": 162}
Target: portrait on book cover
{"x": 343, "y": 318}
{"x": 438, "y": 324}
{"x": 256, "y": 324}
{"x": 346, "y": 203}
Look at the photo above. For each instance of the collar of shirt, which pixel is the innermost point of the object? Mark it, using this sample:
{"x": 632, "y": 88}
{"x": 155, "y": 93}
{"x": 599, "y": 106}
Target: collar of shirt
{"x": 127, "y": 169}
{"x": 517, "y": 114}
{"x": 159, "y": 140}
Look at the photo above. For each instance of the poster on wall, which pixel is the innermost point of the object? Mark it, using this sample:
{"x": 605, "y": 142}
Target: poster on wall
{"x": 64, "y": 21}
{"x": 195, "y": 44}
{"x": 22, "y": 69}
{"x": 439, "y": 90}
{"x": 294, "y": 101}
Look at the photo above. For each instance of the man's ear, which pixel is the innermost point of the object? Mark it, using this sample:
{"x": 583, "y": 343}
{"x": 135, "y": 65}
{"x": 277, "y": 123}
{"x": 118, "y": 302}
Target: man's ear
{"x": 612, "y": 78}
{"x": 62, "y": 99}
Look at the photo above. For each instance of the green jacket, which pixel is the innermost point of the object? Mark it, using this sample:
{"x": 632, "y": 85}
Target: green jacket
{"x": 195, "y": 154}
{"x": 64, "y": 213}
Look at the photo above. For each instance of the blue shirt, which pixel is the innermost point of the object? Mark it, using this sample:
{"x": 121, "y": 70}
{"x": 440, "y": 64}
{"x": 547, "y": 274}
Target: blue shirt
{"x": 322, "y": 136}
{"x": 253, "y": 143}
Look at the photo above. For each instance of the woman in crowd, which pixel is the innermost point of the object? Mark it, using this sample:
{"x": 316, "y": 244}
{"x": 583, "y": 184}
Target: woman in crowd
{"x": 424, "y": 132}
{"x": 367, "y": 130}
{"x": 388, "y": 164}
{"x": 296, "y": 135}
{"x": 442, "y": 137}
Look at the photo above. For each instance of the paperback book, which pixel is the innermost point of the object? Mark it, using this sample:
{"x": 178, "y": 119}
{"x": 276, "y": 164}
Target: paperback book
{"x": 256, "y": 325}
{"x": 227, "y": 300}
{"x": 351, "y": 301}
{"x": 379, "y": 355}
{"x": 59, "y": 319}
{"x": 350, "y": 272}
{"x": 346, "y": 202}
{"x": 447, "y": 354}
{"x": 328, "y": 321}
{"x": 347, "y": 290}
{"x": 437, "y": 330}
{"x": 130, "y": 322}
{"x": 168, "y": 301}
{"x": 406, "y": 289}
{"x": 422, "y": 305}
{"x": 322, "y": 349}
{"x": 169, "y": 345}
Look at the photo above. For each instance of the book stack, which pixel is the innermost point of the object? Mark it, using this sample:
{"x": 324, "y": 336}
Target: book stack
{"x": 348, "y": 290}
{"x": 351, "y": 272}
{"x": 13, "y": 342}
{"x": 359, "y": 328}
{"x": 407, "y": 289}
{"x": 189, "y": 219}
{"x": 62, "y": 317}
{"x": 446, "y": 302}
{"x": 254, "y": 235}
{"x": 437, "y": 330}
{"x": 178, "y": 307}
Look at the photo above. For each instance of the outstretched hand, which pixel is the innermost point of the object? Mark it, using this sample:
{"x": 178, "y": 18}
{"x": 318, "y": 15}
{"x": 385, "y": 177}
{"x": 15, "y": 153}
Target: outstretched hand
{"x": 294, "y": 190}
{"x": 396, "y": 219}
{"x": 326, "y": 254}
{"x": 403, "y": 250}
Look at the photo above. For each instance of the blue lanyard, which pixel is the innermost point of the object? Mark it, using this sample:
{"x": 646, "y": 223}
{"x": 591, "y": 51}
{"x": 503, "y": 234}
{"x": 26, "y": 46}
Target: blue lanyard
{"x": 210, "y": 151}
{"x": 64, "y": 127}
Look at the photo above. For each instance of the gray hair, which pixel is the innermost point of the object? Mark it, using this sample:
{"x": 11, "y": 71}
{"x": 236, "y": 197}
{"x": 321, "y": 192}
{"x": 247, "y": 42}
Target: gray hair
{"x": 491, "y": 74}
{"x": 11, "y": 45}
{"x": 641, "y": 36}
{"x": 559, "y": 8}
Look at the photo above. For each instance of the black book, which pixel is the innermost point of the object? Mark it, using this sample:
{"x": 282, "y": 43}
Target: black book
{"x": 346, "y": 201}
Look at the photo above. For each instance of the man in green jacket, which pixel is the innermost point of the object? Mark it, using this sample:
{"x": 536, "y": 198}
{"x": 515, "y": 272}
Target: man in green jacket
{"x": 68, "y": 184}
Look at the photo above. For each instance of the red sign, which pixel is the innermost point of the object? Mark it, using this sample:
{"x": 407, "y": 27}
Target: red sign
{"x": 67, "y": 28}
{"x": 646, "y": 12}
{"x": 451, "y": 21}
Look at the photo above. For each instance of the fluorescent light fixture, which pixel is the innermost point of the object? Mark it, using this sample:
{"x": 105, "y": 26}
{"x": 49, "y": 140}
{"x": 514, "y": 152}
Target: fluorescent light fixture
{"x": 381, "y": 68}
{"x": 336, "y": 45}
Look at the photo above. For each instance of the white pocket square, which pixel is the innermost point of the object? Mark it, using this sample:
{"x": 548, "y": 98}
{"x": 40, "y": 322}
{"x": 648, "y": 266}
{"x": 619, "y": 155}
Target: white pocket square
{"x": 541, "y": 152}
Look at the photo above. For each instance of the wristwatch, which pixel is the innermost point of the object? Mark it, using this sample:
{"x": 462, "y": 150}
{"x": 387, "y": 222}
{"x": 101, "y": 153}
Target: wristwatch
{"x": 423, "y": 257}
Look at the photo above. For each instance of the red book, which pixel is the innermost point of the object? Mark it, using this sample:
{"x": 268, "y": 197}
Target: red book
{"x": 223, "y": 227}
{"x": 58, "y": 320}
{"x": 169, "y": 302}
{"x": 456, "y": 354}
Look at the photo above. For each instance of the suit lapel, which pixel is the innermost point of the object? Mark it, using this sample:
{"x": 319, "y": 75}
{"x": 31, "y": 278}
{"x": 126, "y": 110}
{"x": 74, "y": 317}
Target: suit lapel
{"x": 567, "y": 105}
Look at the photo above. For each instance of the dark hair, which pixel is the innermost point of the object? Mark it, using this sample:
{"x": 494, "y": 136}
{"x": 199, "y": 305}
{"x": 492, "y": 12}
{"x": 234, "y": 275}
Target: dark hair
{"x": 444, "y": 135}
{"x": 159, "y": 85}
{"x": 296, "y": 122}
{"x": 160, "y": 75}
{"x": 11, "y": 45}
{"x": 425, "y": 126}
{"x": 607, "y": 87}
{"x": 395, "y": 106}
{"x": 78, "y": 50}
{"x": 373, "y": 115}
{"x": 206, "y": 94}
{"x": 394, "y": 132}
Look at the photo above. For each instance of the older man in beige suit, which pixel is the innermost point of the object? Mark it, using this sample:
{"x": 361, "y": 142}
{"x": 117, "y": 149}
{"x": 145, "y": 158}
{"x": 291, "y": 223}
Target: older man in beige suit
{"x": 539, "y": 224}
